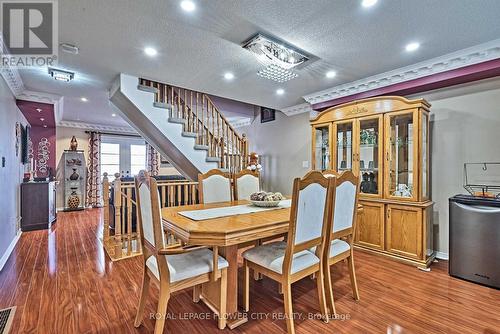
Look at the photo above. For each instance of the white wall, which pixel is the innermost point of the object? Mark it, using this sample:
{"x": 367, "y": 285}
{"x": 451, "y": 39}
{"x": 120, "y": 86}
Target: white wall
{"x": 465, "y": 127}
{"x": 11, "y": 175}
{"x": 282, "y": 145}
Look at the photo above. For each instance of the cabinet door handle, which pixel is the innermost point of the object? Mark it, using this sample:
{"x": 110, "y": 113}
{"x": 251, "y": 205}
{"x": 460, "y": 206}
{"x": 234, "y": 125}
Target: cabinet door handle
{"x": 388, "y": 213}
{"x": 387, "y": 156}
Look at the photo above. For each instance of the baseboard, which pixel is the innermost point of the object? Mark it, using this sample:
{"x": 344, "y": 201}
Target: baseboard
{"x": 442, "y": 256}
{"x": 9, "y": 250}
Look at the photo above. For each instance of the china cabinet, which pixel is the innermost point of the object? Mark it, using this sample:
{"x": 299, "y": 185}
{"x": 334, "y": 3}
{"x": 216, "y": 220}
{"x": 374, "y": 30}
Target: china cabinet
{"x": 385, "y": 141}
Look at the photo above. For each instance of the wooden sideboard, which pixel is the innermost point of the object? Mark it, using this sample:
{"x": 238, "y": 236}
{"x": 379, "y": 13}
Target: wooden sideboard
{"x": 384, "y": 140}
{"x": 38, "y": 205}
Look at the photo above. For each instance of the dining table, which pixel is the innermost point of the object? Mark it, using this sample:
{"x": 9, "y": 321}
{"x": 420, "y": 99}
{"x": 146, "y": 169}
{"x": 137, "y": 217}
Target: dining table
{"x": 228, "y": 233}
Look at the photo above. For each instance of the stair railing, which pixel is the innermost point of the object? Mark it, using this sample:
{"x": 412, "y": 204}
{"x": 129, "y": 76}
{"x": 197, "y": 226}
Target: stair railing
{"x": 205, "y": 122}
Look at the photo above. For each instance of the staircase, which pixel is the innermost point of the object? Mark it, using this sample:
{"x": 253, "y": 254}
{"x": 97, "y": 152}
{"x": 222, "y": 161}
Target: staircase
{"x": 183, "y": 125}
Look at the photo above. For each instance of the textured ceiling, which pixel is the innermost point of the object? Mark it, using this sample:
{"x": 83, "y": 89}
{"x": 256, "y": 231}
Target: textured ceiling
{"x": 195, "y": 49}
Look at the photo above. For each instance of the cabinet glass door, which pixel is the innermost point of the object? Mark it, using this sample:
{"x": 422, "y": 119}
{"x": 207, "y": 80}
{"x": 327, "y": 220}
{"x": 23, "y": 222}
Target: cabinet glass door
{"x": 369, "y": 156}
{"x": 344, "y": 138}
{"x": 401, "y": 149}
{"x": 321, "y": 149}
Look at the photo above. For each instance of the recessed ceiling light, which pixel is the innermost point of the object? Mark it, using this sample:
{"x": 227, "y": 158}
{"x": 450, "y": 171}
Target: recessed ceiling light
{"x": 114, "y": 115}
{"x": 42, "y": 119}
{"x": 331, "y": 74}
{"x": 280, "y": 91}
{"x": 38, "y": 109}
{"x": 150, "y": 51}
{"x": 368, "y": 3}
{"x": 412, "y": 46}
{"x": 228, "y": 76}
{"x": 84, "y": 99}
{"x": 188, "y": 5}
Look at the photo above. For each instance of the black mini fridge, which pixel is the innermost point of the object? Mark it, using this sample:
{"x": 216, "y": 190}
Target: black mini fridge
{"x": 475, "y": 239}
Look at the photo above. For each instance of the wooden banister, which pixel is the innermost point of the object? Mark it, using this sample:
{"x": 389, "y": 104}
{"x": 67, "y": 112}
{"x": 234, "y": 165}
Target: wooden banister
{"x": 203, "y": 118}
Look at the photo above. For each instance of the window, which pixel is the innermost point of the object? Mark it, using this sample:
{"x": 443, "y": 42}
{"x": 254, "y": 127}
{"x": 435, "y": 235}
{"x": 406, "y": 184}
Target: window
{"x": 110, "y": 158}
{"x": 124, "y": 155}
{"x": 137, "y": 158}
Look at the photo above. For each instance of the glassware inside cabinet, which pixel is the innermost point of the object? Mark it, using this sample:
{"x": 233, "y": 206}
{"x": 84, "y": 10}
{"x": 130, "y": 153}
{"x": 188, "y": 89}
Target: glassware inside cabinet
{"x": 369, "y": 130}
{"x": 344, "y": 146}
{"x": 401, "y": 155}
{"x": 322, "y": 148}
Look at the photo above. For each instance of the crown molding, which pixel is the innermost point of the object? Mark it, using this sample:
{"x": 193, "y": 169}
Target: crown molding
{"x": 97, "y": 127}
{"x": 13, "y": 80}
{"x": 297, "y": 109}
{"x": 470, "y": 56}
{"x": 10, "y": 74}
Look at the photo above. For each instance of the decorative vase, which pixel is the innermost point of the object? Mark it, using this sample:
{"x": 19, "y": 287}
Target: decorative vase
{"x": 73, "y": 200}
{"x": 73, "y": 145}
{"x": 74, "y": 176}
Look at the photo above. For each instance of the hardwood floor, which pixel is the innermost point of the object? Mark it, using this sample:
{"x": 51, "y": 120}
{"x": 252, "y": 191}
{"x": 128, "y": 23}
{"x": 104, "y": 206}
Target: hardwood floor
{"x": 62, "y": 282}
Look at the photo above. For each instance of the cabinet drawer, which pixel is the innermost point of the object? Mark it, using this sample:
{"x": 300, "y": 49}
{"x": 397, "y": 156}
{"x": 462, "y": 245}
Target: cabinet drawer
{"x": 404, "y": 231}
{"x": 370, "y": 226}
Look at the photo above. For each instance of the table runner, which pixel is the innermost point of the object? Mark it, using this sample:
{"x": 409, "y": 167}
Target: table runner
{"x": 231, "y": 211}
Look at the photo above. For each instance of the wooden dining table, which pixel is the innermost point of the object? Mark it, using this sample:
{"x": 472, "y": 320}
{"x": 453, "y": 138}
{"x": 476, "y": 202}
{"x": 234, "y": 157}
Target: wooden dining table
{"x": 228, "y": 233}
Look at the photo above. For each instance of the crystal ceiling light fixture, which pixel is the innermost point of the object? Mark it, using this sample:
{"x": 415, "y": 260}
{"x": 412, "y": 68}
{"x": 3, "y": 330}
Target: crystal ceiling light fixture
{"x": 278, "y": 58}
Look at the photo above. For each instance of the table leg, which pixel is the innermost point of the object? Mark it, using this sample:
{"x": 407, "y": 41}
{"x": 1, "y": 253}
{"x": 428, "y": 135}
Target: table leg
{"x": 235, "y": 318}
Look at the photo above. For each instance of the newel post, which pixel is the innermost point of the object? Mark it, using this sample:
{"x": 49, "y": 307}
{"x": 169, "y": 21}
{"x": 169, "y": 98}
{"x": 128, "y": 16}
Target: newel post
{"x": 105, "y": 197}
{"x": 118, "y": 210}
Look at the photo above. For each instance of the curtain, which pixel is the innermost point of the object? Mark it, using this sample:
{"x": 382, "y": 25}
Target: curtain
{"x": 94, "y": 191}
{"x": 153, "y": 160}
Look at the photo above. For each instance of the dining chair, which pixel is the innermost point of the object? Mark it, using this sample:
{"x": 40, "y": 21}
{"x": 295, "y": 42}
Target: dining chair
{"x": 246, "y": 183}
{"x": 289, "y": 261}
{"x": 343, "y": 229}
{"x": 172, "y": 267}
{"x": 214, "y": 186}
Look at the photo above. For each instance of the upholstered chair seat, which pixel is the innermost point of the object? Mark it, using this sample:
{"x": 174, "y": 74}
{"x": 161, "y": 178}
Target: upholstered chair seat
{"x": 271, "y": 256}
{"x": 187, "y": 265}
{"x": 337, "y": 247}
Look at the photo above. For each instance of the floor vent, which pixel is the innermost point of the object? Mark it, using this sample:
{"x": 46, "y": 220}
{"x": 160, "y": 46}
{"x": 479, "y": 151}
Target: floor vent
{"x": 6, "y": 317}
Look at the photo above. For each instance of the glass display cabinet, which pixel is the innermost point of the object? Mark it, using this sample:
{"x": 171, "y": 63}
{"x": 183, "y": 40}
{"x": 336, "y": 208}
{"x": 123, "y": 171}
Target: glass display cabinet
{"x": 75, "y": 180}
{"x": 344, "y": 140}
{"x": 384, "y": 141}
